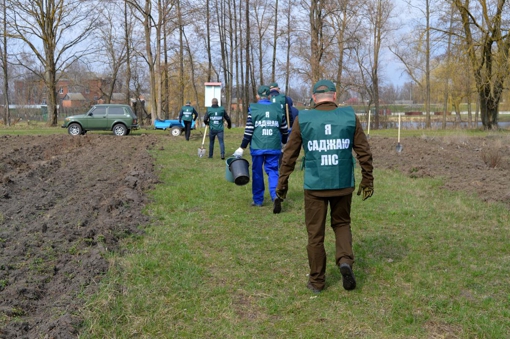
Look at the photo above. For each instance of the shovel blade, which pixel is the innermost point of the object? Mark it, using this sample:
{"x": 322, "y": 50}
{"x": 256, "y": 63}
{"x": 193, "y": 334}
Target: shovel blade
{"x": 201, "y": 152}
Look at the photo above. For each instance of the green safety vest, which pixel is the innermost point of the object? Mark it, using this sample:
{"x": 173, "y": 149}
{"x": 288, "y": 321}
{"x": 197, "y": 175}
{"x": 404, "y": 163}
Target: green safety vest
{"x": 187, "y": 113}
{"x": 267, "y": 120}
{"x": 279, "y": 99}
{"x": 327, "y": 141}
{"x": 216, "y": 115}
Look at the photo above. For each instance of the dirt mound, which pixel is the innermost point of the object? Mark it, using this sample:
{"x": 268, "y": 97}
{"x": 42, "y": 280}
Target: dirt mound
{"x": 64, "y": 202}
{"x": 476, "y": 165}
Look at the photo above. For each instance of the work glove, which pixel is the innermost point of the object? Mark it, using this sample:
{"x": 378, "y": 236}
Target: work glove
{"x": 367, "y": 191}
{"x": 283, "y": 146}
{"x": 281, "y": 193}
{"x": 239, "y": 152}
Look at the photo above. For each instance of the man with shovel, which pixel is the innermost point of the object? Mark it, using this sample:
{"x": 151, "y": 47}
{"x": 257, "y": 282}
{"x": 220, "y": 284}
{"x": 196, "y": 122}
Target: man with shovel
{"x": 328, "y": 134}
{"x": 214, "y": 119}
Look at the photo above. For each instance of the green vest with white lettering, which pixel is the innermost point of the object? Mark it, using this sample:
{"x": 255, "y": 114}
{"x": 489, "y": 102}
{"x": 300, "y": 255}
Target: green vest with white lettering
{"x": 266, "y": 122}
{"x": 187, "y": 113}
{"x": 327, "y": 142}
{"x": 216, "y": 115}
{"x": 279, "y": 99}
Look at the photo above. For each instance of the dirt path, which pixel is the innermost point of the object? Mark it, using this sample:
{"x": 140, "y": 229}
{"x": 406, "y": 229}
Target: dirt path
{"x": 65, "y": 201}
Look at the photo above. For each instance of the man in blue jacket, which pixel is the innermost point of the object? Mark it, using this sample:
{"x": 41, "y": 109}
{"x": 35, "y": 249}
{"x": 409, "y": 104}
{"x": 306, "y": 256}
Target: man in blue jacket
{"x": 266, "y": 130}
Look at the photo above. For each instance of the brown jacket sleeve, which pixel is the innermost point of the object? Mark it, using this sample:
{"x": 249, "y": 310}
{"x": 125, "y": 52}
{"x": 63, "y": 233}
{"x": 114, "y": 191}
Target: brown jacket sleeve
{"x": 290, "y": 155}
{"x": 364, "y": 155}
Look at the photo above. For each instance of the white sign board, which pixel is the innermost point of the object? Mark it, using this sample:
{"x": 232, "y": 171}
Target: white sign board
{"x": 212, "y": 90}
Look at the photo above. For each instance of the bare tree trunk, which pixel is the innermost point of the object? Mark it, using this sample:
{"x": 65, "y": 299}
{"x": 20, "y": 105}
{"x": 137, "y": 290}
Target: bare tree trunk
{"x": 427, "y": 65}
{"x": 127, "y": 32}
{"x": 316, "y": 39}
{"x": 220, "y": 15}
{"x": 208, "y": 39}
{"x": 181, "y": 56}
{"x": 246, "y": 98}
{"x": 165, "y": 69}
{"x": 275, "y": 40}
{"x": 5, "y": 68}
{"x": 378, "y": 27}
{"x": 242, "y": 96}
{"x": 287, "y": 51}
{"x": 448, "y": 60}
{"x": 232, "y": 32}
{"x": 238, "y": 68}
{"x": 340, "y": 37}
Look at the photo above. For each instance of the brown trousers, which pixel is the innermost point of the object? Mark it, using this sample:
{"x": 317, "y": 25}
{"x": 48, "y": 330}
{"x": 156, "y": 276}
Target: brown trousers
{"x": 316, "y": 208}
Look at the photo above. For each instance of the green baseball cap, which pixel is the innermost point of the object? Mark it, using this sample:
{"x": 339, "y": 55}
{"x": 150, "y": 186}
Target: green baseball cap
{"x": 263, "y": 91}
{"x": 273, "y": 85}
{"x": 323, "y": 86}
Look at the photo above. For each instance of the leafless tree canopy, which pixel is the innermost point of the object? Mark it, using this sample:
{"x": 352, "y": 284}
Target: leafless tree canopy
{"x": 159, "y": 53}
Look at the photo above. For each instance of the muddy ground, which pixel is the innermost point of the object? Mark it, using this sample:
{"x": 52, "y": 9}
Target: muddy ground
{"x": 66, "y": 201}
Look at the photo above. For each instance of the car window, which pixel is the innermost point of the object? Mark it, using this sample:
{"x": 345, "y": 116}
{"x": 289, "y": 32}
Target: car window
{"x": 99, "y": 111}
{"x": 130, "y": 111}
{"x": 116, "y": 111}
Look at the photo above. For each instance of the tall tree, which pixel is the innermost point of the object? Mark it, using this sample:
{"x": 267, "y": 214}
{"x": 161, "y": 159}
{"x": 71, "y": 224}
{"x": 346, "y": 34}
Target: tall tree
{"x": 316, "y": 20}
{"x": 60, "y": 27}
{"x": 487, "y": 43}
{"x": 5, "y": 66}
{"x": 275, "y": 41}
{"x": 113, "y": 46}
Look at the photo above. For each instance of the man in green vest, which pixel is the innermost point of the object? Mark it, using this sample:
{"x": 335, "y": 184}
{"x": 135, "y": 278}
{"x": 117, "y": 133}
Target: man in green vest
{"x": 279, "y": 98}
{"x": 266, "y": 130}
{"x": 187, "y": 115}
{"x": 328, "y": 134}
{"x": 214, "y": 117}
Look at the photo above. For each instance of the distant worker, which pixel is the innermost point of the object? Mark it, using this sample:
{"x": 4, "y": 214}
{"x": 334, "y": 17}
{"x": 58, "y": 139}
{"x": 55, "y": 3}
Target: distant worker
{"x": 266, "y": 130}
{"x": 214, "y": 118}
{"x": 187, "y": 115}
{"x": 328, "y": 134}
{"x": 293, "y": 113}
{"x": 282, "y": 99}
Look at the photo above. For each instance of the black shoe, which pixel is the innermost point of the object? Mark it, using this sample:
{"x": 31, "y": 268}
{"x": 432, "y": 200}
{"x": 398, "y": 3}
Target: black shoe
{"x": 347, "y": 277}
{"x": 223, "y": 157}
{"x": 313, "y": 289}
{"x": 277, "y": 205}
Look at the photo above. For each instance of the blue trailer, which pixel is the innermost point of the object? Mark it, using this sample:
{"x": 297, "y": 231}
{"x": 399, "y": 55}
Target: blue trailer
{"x": 175, "y": 127}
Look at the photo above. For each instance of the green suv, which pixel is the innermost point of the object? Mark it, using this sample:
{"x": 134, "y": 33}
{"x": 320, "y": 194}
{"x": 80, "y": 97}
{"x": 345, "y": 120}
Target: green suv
{"x": 106, "y": 117}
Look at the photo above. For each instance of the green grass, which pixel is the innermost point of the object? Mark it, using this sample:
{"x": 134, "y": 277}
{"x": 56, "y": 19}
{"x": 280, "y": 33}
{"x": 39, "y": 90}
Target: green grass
{"x": 430, "y": 263}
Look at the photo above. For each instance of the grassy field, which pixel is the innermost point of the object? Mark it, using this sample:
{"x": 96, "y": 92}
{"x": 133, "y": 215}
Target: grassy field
{"x": 429, "y": 263}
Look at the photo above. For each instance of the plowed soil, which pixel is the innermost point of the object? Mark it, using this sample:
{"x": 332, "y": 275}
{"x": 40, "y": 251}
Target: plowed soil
{"x": 67, "y": 201}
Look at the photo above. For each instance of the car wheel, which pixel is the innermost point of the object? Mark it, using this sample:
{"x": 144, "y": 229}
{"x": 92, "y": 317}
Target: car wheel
{"x": 74, "y": 129}
{"x": 176, "y": 131}
{"x": 119, "y": 130}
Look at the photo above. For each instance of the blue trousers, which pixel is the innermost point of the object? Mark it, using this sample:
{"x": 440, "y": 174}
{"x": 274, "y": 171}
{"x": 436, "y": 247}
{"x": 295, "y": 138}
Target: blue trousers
{"x": 268, "y": 163}
{"x": 213, "y": 135}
